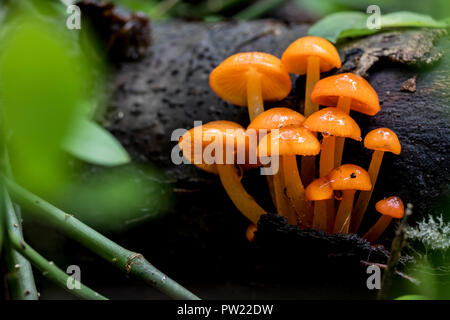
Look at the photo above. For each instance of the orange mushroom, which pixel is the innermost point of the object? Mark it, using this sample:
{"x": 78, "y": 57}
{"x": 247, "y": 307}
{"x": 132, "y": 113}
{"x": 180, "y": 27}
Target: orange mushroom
{"x": 331, "y": 122}
{"x": 389, "y": 208}
{"x": 250, "y": 232}
{"x": 286, "y": 143}
{"x": 319, "y": 190}
{"x": 224, "y": 137}
{"x": 349, "y": 178}
{"x": 275, "y": 118}
{"x": 249, "y": 79}
{"x": 310, "y": 56}
{"x": 346, "y": 91}
{"x": 380, "y": 140}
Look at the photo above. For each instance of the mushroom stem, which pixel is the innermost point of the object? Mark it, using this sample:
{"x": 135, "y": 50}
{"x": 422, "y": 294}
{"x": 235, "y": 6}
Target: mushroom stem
{"x": 283, "y": 204}
{"x": 296, "y": 191}
{"x": 378, "y": 228}
{"x": 364, "y": 196}
{"x": 254, "y": 94}
{"x": 344, "y": 104}
{"x": 320, "y": 215}
{"x": 231, "y": 182}
{"x": 344, "y": 212}
{"x": 325, "y": 166}
{"x": 312, "y": 76}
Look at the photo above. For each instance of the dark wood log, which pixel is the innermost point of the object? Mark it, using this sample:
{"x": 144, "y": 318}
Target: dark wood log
{"x": 169, "y": 89}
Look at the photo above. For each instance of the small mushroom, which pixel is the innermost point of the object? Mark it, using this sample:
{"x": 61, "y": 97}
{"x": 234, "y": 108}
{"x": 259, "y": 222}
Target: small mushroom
{"x": 389, "y": 208}
{"x": 346, "y": 91}
{"x": 319, "y": 190}
{"x": 349, "y": 178}
{"x": 249, "y": 79}
{"x": 250, "y": 232}
{"x": 331, "y": 122}
{"x": 380, "y": 140}
{"x": 310, "y": 56}
{"x": 289, "y": 142}
{"x": 229, "y": 137}
{"x": 274, "y": 118}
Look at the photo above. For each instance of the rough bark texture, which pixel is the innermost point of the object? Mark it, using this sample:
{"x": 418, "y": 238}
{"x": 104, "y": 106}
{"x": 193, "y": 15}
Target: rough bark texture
{"x": 201, "y": 241}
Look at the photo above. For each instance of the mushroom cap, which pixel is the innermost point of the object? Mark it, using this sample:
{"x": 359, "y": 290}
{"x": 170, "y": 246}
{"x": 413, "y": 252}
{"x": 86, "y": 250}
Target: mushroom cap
{"x": 349, "y": 177}
{"x": 383, "y": 139}
{"x": 332, "y": 121}
{"x": 295, "y": 57}
{"x": 327, "y": 91}
{"x": 276, "y": 118}
{"x": 392, "y": 206}
{"x": 250, "y": 232}
{"x": 232, "y": 135}
{"x": 229, "y": 79}
{"x": 319, "y": 189}
{"x": 292, "y": 140}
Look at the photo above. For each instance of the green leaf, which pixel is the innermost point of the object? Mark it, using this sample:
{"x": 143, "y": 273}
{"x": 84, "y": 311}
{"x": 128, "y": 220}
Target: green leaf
{"x": 412, "y": 297}
{"x": 90, "y": 142}
{"x": 347, "y": 24}
{"x": 334, "y": 25}
{"x": 409, "y": 19}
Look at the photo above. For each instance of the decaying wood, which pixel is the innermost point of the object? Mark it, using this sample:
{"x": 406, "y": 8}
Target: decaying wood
{"x": 169, "y": 89}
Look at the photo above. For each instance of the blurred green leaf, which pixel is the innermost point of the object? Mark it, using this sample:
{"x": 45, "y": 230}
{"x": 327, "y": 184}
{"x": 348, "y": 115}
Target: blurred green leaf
{"x": 92, "y": 143}
{"x": 354, "y": 24}
{"x": 41, "y": 85}
{"x": 409, "y": 19}
{"x": 412, "y": 297}
{"x": 341, "y": 24}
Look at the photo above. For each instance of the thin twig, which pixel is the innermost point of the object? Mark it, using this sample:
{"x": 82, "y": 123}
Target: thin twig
{"x": 384, "y": 267}
{"x": 130, "y": 262}
{"x": 397, "y": 246}
{"x": 52, "y": 272}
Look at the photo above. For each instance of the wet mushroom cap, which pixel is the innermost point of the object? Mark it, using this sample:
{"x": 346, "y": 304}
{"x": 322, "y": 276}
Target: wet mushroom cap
{"x": 327, "y": 91}
{"x": 295, "y": 57}
{"x": 319, "y": 189}
{"x": 392, "y": 206}
{"x": 232, "y": 135}
{"x": 350, "y": 177}
{"x": 229, "y": 79}
{"x": 383, "y": 139}
{"x": 276, "y": 118}
{"x": 292, "y": 140}
{"x": 332, "y": 121}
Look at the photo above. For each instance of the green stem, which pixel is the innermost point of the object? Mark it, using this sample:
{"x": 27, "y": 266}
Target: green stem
{"x": 131, "y": 263}
{"x": 51, "y": 271}
{"x": 20, "y": 274}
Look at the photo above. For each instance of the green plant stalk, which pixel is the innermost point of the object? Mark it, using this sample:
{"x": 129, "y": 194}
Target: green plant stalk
{"x": 52, "y": 272}
{"x": 20, "y": 274}
{"x": 132, "y": 263}
{"x": 258, "y": 9}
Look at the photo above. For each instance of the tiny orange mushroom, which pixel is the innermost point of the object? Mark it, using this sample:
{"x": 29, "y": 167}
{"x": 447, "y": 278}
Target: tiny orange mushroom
{"x": 310, "y": 55}
{"x": 380, "y": 140}
{"x": 226, "y": 137}
{"x": 390, "y": 208}
{"x": 249, "y": 79}
{"x": 250, "y": 232}
{"x": 349, "y": 178}
{"x": 346, "y": 91}
{"x": 285, "y": 143}
{"x": 274, "y": 118}
{"x": 319, "y": 190}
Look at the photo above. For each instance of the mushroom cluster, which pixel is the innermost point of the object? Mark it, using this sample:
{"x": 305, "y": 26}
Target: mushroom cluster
{"x": 328, "y": 202}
